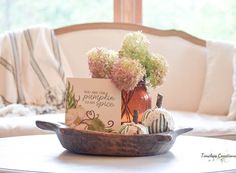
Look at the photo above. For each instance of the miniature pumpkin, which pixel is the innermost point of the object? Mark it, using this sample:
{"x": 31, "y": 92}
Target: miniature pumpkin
{"x": 158, "y": 120}
{"x": 132, "y": 129}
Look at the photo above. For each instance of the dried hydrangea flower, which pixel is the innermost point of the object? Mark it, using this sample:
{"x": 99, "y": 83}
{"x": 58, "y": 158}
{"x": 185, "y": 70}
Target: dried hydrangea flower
{"x": 135, "y": 46}
{"x": 156, "y": 69}
{"x": 126, "y": 73}
{"x": 135, "y": 62}
{"x": 100, "y": 62}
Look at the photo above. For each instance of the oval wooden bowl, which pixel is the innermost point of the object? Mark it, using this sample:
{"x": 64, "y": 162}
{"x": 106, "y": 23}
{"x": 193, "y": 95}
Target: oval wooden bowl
{"x": 99, "y": 143}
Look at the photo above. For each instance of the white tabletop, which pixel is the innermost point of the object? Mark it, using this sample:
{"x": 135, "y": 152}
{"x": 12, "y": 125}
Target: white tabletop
{"x": 44, "y": 153}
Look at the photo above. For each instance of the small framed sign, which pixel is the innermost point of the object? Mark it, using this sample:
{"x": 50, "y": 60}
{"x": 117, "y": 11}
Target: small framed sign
{"x": 93, "y": 104}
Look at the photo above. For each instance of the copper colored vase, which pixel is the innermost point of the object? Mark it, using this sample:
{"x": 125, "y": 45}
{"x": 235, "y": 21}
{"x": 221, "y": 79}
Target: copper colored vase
{"x": 137, "y": 99}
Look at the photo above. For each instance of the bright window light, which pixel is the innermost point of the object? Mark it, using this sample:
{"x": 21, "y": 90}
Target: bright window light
{"x": 56, "y": 13}
{"x": 208, "y": 19}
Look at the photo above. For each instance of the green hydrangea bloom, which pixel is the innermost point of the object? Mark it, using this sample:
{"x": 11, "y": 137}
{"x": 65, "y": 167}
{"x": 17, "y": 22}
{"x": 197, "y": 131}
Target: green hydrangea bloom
{"x": 135, "y": 46}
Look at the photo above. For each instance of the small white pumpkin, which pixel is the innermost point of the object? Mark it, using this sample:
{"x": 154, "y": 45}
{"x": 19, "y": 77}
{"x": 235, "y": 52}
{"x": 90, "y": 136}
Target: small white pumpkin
{"x": 132, "y": 129}
{"x": 158, "y": 120}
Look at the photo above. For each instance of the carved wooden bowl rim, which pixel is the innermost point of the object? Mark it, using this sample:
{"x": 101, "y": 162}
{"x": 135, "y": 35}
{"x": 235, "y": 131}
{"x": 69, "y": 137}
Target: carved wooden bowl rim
{"x": 83, "y": 141}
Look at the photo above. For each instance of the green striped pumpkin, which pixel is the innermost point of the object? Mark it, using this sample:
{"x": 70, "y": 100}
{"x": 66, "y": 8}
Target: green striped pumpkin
{"x": 157, "y": 120}
{"x": 132, "y": 129}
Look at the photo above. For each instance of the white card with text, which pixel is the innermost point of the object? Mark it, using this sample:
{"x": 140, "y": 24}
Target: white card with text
{"x": 93, "y": 104}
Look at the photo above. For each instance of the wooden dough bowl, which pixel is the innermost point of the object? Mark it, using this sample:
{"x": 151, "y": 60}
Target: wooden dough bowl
{"x": 112, "y": 144}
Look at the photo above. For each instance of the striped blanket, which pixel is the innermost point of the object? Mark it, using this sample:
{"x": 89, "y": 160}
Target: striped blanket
{"x": 32, "y": 68}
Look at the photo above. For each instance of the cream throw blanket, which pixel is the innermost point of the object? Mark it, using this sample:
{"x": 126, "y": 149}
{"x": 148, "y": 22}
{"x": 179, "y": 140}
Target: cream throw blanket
{"x": 32, "y": 68}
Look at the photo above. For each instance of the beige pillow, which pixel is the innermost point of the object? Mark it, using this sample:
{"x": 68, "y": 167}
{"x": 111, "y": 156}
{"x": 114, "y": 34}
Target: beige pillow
{"x": 232, "y": 110}
{"x": 217, "y": 92}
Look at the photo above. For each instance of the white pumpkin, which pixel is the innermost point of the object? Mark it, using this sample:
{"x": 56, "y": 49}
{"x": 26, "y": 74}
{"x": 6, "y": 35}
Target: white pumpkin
{"x": 132, "y": 129}
{"x": 158, "y": 120}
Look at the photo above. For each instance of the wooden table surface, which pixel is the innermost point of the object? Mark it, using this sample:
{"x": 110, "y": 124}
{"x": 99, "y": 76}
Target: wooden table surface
{"x": 44, "y": 153}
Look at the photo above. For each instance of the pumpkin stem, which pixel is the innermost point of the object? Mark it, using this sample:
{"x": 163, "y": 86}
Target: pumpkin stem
{"x": 159, "y": 100}
{"x": 135, "y": 117}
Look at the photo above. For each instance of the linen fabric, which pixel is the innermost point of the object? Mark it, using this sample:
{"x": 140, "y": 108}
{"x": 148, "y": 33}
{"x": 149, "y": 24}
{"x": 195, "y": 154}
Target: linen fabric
{"x": 32, "y": 68}
{"x": 218, "y": 88}
{"x": 232, "y": 109}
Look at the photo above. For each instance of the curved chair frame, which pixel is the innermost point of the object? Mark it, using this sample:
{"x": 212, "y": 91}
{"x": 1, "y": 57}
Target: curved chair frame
{"x": 132, "y": 27}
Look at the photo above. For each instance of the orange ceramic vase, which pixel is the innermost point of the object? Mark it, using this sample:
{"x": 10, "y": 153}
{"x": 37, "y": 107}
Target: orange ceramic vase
{"x": 137, "y": 99}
